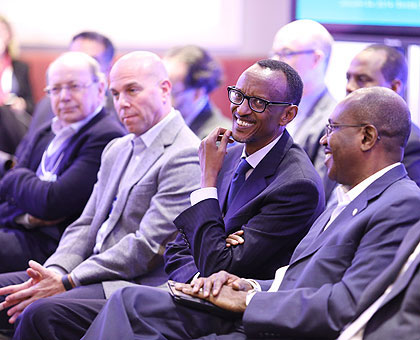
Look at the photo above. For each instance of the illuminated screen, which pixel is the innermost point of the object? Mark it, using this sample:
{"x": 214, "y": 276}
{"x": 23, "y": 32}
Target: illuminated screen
{"x": 384, "y": 17}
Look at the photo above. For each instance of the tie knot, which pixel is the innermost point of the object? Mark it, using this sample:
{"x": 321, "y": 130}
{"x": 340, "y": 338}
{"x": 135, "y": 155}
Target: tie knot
{"x": 243, "y": 167}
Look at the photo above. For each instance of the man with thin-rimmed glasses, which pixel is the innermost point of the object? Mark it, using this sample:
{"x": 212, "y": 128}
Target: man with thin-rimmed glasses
{"x": 306, "y": 46}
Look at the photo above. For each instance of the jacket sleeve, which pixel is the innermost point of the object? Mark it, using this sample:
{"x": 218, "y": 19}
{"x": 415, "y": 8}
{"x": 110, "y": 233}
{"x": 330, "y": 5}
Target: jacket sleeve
{"x": 179, "y": 262}
{"x": 272, "y": 231}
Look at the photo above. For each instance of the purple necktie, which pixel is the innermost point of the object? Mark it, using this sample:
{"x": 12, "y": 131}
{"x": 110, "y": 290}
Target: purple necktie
{"x": 238, "y": 180}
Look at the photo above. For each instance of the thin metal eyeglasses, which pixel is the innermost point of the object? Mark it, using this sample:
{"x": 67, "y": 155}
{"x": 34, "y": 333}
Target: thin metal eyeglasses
{"x": 256, "y": 104}
{"x": 289, "y": 53}
{"x": 331, "y": 127}
{"x": 72, "y": 87}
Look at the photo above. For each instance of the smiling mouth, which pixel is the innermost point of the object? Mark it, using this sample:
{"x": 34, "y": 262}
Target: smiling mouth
{"x": 244, "y": 123}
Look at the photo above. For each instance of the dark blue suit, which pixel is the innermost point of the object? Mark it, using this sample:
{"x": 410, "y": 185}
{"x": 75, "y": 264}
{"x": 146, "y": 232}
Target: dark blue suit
{"x": 21, "y": 191}
{"x": 275, "y": 208}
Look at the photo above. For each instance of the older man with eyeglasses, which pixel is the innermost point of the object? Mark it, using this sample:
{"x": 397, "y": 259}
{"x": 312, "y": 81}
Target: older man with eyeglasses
{"x": 49, "y": 186}
{"x": 306, "y": 46}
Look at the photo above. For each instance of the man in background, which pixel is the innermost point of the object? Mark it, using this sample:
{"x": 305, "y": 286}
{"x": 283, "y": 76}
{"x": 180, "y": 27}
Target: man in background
{"x": 381, "y": 65}
{"x": 194, "y": 74}
{"x": 306, "y": 46}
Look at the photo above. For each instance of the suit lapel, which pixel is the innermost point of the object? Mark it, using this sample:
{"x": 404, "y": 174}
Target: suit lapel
{"x": 261, "y": 176}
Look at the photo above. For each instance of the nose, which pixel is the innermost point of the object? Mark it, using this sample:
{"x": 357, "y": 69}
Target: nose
{"x": 243, "y": 109}
{"x": 65, "y": 93}
{"x": 122, "y": 101}
{"x": 351, "y": 86}
{"x": 323, "y": 140}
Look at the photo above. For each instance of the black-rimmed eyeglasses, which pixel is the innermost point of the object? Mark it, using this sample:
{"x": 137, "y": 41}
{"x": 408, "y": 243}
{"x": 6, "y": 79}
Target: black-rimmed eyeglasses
{"x": 256, "y": 104}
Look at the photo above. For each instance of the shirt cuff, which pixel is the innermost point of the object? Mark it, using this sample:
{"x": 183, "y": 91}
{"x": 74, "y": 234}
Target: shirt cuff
{"x": 202, "y": 194}
{"x": 75, "y": 280}
{"x": 24, "y": 221}
{"x": 250, "y": 295}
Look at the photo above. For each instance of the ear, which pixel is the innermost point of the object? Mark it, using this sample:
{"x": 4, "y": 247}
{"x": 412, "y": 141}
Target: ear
{"x": 288, "y": 115}
{"x": 166, "y": 86}
{"x": 370, "y": 137}
{"x": 396, "y": 86}
{"x": 318, "y": 57}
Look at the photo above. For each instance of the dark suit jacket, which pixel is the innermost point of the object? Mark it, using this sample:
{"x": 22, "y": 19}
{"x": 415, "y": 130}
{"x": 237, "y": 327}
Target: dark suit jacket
{"x": 398, "y": 317}
{"x": 330, "y": 269}
{"x": 21, "y": 191}
{"x": 275, "y": 208}
{"x": 411, "y": 161}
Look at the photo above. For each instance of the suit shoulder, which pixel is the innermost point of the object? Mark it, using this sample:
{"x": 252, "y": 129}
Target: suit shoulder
{"x": 299, "y": 163}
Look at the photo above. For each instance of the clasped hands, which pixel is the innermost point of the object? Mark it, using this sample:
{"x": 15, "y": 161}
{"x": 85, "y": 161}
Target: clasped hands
{"x": 43, "y": 282}
{"x": 223, "y": 289}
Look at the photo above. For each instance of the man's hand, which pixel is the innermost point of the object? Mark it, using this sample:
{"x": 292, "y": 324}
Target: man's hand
{"x": 43, "y": 282}
{"x": 235, "y": 238}
{"x": 211, "y": 155}
{"x": 227, "y": 298}
{"x": 213, "y": 284}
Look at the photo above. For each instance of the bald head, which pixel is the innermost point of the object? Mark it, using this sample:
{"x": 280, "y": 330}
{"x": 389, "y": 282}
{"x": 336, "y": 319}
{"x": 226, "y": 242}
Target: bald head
{"x": 384, "y": 109}
{"x": 143, "y": 63}
{"x": 141, "y": 89}
{"x": 76, "y": 61}
{"x": 306, "y": 46}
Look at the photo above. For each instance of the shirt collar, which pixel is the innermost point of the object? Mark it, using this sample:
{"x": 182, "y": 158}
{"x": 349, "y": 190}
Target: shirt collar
{"x": 57, "y": 126}
{"x": 150, "y": 135}
{"x": 258, "y": 155}
{"x": 345, "y": 196}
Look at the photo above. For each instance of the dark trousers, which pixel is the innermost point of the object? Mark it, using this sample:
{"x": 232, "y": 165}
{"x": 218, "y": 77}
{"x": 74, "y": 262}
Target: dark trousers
{"x": 150, "y": 313}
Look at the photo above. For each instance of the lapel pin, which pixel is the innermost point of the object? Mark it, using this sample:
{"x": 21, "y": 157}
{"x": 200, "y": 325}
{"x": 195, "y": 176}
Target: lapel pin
{"x": 354, "y": 212}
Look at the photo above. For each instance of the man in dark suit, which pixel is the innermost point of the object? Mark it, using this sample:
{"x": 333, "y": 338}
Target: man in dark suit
{"x": 347, "y": 247}
{"x": 50, "y": 185}
{"x": 389, "y": 307}
{"x": 278, "y": 202}
{"x": 381, "y": 65}
{"x": 144, "y": 182}
{"x": 194, "y": 74}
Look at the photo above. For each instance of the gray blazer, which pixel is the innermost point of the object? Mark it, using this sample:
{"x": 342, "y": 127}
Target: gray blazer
{"x": 140, "y": 223}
